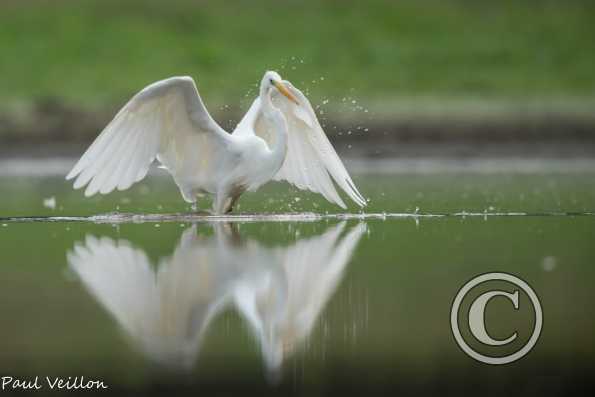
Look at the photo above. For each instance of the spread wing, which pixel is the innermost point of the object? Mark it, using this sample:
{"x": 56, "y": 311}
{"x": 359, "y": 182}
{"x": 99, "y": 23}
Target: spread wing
{"x": 120, "y": 276}
{"x": 166, "y": 311}
{"x": 166, "y": 120}
{"x": 311, "y": 160}
{"x": 314, "y": 268}
{"x": 282, "y": 311}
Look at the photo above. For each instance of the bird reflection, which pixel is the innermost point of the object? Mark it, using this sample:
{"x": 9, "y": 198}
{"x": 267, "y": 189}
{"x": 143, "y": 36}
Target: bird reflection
{"x": 279, "y": 291}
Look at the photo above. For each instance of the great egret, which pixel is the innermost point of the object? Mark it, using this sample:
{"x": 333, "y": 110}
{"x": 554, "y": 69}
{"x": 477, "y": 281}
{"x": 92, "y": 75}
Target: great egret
{"x": 279, "y": 138}
{"x": 166, "y": 310}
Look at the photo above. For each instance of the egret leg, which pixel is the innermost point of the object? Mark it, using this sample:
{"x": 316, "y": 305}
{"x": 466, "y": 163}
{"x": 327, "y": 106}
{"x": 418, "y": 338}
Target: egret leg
{"x": 227, "y": 206}
{"x": 232, "y": 203}
{"x": 226, "y": 198}
{"x": 221, "y": 202}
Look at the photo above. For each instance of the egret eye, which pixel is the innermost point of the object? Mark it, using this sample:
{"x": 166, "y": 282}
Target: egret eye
{"x": 271, "y": 80}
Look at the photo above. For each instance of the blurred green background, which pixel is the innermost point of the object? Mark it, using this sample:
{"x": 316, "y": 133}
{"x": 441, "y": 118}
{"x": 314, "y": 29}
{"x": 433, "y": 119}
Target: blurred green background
{"x": 386, "y": 57}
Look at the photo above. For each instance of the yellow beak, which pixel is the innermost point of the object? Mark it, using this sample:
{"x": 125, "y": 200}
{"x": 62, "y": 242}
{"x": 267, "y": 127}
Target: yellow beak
{"x": 283, "y": 90}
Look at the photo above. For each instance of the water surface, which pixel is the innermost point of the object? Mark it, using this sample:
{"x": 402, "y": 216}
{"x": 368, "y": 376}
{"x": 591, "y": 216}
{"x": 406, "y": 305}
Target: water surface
{"x": 312, "y": 304}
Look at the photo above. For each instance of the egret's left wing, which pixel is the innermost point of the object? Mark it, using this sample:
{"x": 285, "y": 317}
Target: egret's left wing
{"x": 311, "y": 160}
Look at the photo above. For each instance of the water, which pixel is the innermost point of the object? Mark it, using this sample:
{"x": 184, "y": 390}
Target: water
{"x": 302, "y": 299}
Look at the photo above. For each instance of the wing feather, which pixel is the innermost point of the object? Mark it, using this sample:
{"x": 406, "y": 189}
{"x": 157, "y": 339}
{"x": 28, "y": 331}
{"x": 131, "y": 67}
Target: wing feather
{"x": 108, "y": 162}
{"x": 165, "y": 114}
{"x": 311, "y": 161}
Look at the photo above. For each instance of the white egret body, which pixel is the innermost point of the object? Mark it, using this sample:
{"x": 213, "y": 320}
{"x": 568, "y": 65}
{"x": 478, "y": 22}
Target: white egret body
{"x": 279, "y": 138}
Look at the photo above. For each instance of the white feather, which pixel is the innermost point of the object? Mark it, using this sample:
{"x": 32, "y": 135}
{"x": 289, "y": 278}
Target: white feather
{"x": 168, "y": 121}
{"x": 163, "y": 115}
{"x": 311, "y": 160}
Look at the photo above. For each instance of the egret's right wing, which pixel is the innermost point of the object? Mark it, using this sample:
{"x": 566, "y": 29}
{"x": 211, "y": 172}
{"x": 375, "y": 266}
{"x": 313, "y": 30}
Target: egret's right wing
{"x": 168, "y": 120}
{"x": 166, "y": 311}
{"x": 120, "y": 276}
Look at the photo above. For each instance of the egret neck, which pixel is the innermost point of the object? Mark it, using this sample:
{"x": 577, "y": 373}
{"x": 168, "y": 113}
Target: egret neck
{"x": 274, "y": 116}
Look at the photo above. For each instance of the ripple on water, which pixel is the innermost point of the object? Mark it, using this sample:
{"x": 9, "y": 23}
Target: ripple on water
{"x": 117, "y": 217}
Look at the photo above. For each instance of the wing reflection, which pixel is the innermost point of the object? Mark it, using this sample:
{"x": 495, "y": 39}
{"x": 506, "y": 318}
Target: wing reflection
{"x": 279, "y": 291}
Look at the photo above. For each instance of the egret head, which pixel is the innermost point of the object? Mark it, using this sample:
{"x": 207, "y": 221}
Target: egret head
{"x": 272, "y": 80}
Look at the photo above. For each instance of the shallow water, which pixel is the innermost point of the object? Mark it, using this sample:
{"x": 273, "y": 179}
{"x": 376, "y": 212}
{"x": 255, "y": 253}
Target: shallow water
{"x": 304, "y": 299}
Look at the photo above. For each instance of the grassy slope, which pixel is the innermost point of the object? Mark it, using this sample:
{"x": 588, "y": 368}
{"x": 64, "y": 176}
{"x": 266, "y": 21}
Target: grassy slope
{"x": 95, "y": 53}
